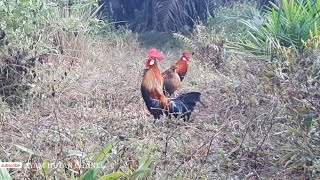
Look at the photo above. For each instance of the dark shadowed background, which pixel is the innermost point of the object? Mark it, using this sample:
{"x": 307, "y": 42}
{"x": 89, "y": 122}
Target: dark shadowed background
{"x": 162, "y": 15}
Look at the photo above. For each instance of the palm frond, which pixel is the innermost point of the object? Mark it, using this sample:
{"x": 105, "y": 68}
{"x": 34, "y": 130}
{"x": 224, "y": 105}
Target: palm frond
{"x": 170, "y": 13}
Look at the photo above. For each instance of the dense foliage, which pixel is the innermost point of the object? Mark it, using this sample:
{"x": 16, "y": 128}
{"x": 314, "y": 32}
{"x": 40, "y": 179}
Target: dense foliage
{"x": 284, "y": 29}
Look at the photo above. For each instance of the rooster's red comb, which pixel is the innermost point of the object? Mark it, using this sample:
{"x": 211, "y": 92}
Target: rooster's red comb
{"x": 154, "y": 53}
{"x": 185, "y": 54}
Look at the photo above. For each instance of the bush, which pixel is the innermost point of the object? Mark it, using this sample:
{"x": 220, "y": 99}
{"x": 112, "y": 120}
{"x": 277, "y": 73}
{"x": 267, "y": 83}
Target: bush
{"x": 284, "y": 30}
{"x": 226, "y": 18}
{"x": 32, "y": 29}
{"x": 205, "y": 46}
{"x": 207, "y": 42}
{"x": 282, "y": 40}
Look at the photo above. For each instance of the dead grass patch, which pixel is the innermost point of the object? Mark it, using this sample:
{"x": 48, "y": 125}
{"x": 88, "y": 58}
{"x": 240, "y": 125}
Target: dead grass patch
{"x": 84, "y": 105}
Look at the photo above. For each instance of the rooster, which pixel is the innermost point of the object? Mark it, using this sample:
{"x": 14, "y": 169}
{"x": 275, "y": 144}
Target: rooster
{"x": 175, "y": 74}
{"x": 171, "y": 80}
{"x": 182, "y": 65}
{"x": 154, "y": 98}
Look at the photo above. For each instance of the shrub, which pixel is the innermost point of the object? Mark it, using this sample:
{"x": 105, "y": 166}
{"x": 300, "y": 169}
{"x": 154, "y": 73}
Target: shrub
{"x": 226, "y": 20}
{"x": 206, "y": 47}
{"x": 207, "y": 42}
{"x": 284, "y": 30}
{"x": 32, "y": 29}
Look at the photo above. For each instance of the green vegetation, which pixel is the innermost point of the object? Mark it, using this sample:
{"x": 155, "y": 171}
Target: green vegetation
{"x": 228, "y": 17}
{"x": 71, "y": 108}
{"x": 284, "y": 29}
{"x": 32, "y": 29}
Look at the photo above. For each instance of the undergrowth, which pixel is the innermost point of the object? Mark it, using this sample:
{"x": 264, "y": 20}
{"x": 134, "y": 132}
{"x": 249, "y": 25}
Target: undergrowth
{"x": 85, "y": 118}
{"x": 248, "y": 130}
{"x": 208, "y": 39}
{"x": 34, "y": 29}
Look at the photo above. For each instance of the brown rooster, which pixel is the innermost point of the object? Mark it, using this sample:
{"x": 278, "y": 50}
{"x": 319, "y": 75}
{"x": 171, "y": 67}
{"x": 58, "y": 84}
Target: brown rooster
{"x": 152, "y": 93}
{"x": 171, "y": 80}
{"x": 175, "y": 74}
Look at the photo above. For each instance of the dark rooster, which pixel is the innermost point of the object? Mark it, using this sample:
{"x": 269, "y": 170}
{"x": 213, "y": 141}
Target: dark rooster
{"x": 152, "y": 93}
{"x": 171, "y": 80}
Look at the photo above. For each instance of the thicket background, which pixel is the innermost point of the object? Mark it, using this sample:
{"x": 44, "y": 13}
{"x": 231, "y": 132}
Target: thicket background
{"x": 70, "y": 103}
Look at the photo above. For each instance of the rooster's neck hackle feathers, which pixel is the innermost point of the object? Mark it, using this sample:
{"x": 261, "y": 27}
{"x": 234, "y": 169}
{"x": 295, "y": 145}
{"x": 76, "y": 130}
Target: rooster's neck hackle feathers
{"x": 153, "y": 81}
{"x": 182, "y": 68}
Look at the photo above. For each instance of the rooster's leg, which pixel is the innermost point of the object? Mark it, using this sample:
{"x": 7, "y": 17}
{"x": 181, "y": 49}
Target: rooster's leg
{"x": 186, "y": 117}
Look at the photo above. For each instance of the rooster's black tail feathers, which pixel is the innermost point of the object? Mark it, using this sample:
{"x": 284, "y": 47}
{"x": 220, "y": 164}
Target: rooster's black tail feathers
{"x": 183, "y": 105}
{"x": 179, "y": 107}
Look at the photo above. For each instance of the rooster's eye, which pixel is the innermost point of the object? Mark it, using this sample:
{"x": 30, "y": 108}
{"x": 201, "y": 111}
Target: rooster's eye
{"x": 151, "y": 62}
{"x": 183, "y": 58}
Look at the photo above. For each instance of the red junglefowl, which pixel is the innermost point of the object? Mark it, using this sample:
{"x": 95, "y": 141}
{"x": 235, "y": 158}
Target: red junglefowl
{"x": 182, "y": 65}
{"x": 171, "y": 80}
{"x": 175, "y": 74}
{"x": 152, "y": 93}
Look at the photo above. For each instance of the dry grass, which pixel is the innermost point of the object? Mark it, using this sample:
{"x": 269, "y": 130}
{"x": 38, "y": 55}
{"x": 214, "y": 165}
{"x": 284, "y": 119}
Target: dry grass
{"x": 91, "y": 95}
